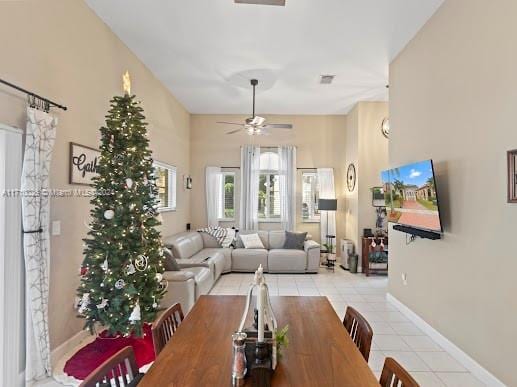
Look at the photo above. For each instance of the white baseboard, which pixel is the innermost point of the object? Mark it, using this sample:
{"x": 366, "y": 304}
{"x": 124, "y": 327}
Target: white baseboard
{"x": 57, "y": 353}
{"x": 470, "y": 364}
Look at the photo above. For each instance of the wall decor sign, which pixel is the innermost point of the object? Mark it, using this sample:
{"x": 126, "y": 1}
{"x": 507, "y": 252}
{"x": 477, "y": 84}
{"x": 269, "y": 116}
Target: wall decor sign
{"x": 84, "y": 162}
{"x": 512, "y": 176}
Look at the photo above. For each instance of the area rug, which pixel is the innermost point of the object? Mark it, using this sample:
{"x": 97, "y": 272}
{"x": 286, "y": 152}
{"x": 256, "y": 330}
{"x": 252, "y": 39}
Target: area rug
{"x": 93, "y": 354}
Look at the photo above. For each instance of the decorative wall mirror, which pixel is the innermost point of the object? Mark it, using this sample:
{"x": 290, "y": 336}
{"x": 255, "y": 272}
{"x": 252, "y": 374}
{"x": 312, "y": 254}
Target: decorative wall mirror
{"x": 512, "y": 176}
{"x": 166, "y": 184}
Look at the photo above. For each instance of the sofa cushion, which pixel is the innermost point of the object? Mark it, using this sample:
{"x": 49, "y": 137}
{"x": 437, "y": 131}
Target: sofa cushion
{"x": 294, "y": 240}
{"x": 276, "y": 239}
{"x": 249, "y": 259}
{"x": 283, "y": 260}
{"x": 226, "y": 252}
{"x": 209, "y": 241}
{"x": 170, "y": 263}
{"x": 204, "y": 280}
{"x": 263, "y": 235}
{"x": 185, "y": 244}
{"x": 214, "y": 258}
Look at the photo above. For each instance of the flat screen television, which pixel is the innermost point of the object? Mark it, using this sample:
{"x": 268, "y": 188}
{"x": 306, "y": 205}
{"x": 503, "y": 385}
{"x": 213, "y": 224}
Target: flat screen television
{"x": 410, "y": 196}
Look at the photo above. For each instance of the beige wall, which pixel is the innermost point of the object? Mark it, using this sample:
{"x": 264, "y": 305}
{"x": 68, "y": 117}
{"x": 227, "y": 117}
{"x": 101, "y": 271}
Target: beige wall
{"x": 320, "y": 142}
{"x": 453, "y": 98}
{"x": 367, "y": 148}
{"x": 60, "y": 49}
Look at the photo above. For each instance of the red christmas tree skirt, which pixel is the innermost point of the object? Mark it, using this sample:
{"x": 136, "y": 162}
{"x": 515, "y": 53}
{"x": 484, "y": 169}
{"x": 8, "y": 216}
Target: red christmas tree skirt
{"x": 88, "y": 358}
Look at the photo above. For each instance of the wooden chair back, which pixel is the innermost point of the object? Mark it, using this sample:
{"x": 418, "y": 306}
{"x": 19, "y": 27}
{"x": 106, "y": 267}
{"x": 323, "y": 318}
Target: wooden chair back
{"x": 393, "y": 375}
{"x": 165, "y": 326}
{"x": 119, "y": 370}
{"x": 360, "y": 331}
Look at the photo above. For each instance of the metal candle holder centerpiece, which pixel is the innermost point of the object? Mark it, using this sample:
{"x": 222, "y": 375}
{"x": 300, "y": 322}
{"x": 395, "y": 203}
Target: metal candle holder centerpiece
{"x": 260, "y": 341}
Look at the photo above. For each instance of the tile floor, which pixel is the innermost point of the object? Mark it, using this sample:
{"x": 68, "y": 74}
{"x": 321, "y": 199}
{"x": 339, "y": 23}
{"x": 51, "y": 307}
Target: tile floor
{"x": 394, "y": 335}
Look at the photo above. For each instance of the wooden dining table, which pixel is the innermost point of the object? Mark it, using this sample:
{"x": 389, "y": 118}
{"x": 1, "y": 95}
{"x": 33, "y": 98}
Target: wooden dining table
{"x": 320, "y": 351}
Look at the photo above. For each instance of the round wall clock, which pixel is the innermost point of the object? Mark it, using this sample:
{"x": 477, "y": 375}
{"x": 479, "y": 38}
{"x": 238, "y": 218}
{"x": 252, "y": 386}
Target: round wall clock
{"x": 385, "y": 127}
{"x": 350, "y": 177}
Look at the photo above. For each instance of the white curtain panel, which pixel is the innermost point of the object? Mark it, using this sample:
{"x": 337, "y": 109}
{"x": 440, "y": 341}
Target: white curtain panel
{"x": 39, "y": 141}
{"x": 287, "y": 175}
{"x": 11, "y": 278}
{"x": 250, "y": 171}
{"x": 214, "y": 200}
{"x": 327, "y": 191}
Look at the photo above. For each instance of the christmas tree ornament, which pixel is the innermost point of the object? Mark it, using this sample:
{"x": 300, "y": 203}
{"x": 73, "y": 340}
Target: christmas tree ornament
{"x": 104, "y": 265}
{"x": 120, "y": 284}
{"x": 126, "y": 84}
{"x": 141, "y": 262}
{"x": 129, "y": 182}
{"x": 83, "y": 304}
{"x": 130, "y": 268}
{"x": 159, "y": 277}
{"x": 103, "y": 304}
{"x": 109, "y": 214}
{"x": 135, "y": 314}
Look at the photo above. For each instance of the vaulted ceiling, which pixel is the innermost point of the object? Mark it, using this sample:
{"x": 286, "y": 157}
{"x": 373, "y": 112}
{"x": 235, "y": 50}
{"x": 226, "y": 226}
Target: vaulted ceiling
{"x": 205, "y": 51}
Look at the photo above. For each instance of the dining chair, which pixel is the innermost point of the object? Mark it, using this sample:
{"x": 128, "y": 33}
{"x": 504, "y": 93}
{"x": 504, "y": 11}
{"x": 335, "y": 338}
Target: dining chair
{"x": 119, "y": 370}
{"x": 360, "y": 331}
{"x": 165, "y": 325}
{"x": 393, "y": 374}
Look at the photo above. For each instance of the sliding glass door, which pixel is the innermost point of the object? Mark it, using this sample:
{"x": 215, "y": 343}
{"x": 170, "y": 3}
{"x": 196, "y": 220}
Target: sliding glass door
{"x": 11, "y": 278}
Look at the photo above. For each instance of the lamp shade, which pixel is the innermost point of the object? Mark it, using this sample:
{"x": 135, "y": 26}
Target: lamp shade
{"x": 327, "y": 204}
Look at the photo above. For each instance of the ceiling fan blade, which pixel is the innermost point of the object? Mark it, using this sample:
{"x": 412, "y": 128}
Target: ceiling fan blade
{"x": 278, "y": 126}
{"x": 229, "y": 123}
{"x": 233, "y": 131}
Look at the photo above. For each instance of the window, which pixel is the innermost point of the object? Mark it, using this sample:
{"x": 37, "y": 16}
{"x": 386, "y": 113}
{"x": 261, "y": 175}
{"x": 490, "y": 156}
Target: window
{"x": 269, "y": 187}
{"x": 227, "y": 209}
{"x": 310, "y": 197}
{"x": 166, "y": 185}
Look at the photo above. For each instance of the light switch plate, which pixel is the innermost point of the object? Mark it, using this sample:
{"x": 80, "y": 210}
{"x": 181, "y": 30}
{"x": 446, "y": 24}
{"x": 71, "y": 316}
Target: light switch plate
{"x": 56, "y": 227}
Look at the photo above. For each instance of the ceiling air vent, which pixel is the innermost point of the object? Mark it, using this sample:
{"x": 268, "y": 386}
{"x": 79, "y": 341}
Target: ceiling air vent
{"x": 261, "y": 2}
{"x": 326, "y": 79}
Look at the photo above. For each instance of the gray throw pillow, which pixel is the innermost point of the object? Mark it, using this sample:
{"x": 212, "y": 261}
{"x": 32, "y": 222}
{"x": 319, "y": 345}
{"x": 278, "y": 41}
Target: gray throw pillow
{"x": 238, "y": 243}
{"x": 294, "y": 240}
{"x": 170, "y": 262}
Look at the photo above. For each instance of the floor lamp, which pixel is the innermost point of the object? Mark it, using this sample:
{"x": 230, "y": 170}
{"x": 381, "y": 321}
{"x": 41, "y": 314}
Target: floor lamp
{"x": 328, "y": 205}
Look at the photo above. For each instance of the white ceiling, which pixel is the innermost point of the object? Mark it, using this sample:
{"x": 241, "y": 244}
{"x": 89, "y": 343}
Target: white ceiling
{"x": 203, "y": 50}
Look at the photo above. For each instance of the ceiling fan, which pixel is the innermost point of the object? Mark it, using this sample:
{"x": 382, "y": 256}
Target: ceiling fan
{"x": 255, "y": 125}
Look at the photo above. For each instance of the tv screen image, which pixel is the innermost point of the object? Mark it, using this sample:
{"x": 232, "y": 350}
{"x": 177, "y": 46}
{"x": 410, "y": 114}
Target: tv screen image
{"x": 410, "y": 196}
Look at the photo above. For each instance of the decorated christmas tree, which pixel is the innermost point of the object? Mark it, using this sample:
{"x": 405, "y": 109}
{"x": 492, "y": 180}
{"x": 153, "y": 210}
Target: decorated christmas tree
{"x": 121, "y": 275}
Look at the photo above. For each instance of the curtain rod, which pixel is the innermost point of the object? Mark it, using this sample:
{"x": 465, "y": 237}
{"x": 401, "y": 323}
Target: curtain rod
{"x": 51, "y": 103}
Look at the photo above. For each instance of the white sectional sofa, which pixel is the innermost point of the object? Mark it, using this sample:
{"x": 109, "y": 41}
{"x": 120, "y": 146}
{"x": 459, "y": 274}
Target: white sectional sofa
{"x": 202, "y": 261}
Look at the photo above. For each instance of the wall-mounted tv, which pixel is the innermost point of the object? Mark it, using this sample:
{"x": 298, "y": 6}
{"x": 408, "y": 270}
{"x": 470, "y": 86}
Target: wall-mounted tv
{"x": 410, "y": 196}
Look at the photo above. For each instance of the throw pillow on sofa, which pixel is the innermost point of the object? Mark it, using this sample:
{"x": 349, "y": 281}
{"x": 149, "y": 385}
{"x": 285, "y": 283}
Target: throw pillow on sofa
{"x": 294, "y": 240}
{"x": 170, "y": 262}
{"x": 251, "y": 241}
